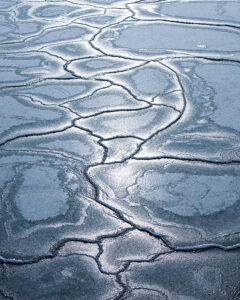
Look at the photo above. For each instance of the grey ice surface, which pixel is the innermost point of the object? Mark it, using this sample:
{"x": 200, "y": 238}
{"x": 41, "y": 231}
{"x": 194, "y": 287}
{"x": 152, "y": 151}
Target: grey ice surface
{"x": 119, "y": 150}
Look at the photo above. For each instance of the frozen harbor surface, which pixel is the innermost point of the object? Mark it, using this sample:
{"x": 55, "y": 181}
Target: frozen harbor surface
{"x": 119, "y": 150}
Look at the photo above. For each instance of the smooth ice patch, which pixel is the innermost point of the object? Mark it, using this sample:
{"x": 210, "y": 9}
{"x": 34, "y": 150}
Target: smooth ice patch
{"x": 41, "y": 196}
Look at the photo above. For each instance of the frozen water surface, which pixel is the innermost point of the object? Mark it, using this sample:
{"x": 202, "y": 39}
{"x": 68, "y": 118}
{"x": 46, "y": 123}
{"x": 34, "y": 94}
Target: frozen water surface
{"x": 166, "y": 194}
{"x": 119, "y": 150}
{"x": 36, "y": 185}
{"x": 225, "y": 12}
